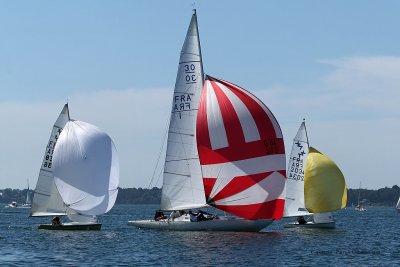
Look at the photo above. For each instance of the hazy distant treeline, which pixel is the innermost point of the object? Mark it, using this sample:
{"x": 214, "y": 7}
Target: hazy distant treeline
{"x": 125, "y": 195}
{"x": 381, "y": 197}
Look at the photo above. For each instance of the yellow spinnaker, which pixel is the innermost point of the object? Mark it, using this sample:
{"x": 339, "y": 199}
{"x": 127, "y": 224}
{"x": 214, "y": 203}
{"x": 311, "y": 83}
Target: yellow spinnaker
{"x": 324, "y": 184}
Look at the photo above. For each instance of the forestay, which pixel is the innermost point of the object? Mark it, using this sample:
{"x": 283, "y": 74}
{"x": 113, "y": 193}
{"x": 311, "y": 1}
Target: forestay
{"x": 47, "y": 201}
{"x": 294, "y": 205}
{"x": 325, "y": 186}
{"x": 86, "y": 168}
{"x": 182, "y": 180}
{"x": 241, "y": 152}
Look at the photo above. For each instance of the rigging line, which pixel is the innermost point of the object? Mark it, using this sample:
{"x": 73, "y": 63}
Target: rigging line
{"x": 83, "y": 198}
{"x": 230, "y": 201}
{"x": 160, "y": 174}
{"x": 159, "y": 154}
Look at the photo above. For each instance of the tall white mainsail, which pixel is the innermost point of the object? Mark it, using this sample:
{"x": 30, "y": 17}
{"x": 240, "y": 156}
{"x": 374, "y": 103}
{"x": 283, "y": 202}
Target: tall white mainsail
{"x": 86, "y": 168}
{"x": 182, "y": 180}
{"x": 294, "y": 205}
{"x": 47, "y": 201}
{"x": 398, "y": 205}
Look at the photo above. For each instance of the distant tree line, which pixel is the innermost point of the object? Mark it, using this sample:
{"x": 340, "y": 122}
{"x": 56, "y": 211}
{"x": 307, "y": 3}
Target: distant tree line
{"x": 125, "y": 195}
{"x": 139, "y": 196}
{"x": 381, "y": 197}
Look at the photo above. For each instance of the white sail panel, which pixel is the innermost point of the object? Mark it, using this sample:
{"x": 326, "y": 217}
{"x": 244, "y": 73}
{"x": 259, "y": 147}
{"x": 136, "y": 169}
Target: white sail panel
{"x": 218, "y": 136}
{"x": 86, "y": 170}
{"x": 256, "y": 193}
{"x": 398, "y": 204}
{"x": 271, "y": 116}
{"x": 294, "y": 204}
{"x": 228, "y": 170}
{"x": 247, "y": 122}
{"x": 47, "y": 201}
{"x": 182, "y": 180}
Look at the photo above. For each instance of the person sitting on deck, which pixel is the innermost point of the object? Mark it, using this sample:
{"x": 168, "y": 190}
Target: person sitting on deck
{"x": 56, "y": 221}
{"x": 301, "y": 220}
{"x": 175, "y": 214}
{"x": 159, "y": 215}
{"x": 193, "y": 216}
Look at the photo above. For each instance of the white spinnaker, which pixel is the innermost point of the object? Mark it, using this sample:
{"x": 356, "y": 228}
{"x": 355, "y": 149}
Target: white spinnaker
{"x": 182, "y": 179}
{"x": 294, "y": 204}
{"x": 47, "y": 201}
{"x": 86, "y": 168}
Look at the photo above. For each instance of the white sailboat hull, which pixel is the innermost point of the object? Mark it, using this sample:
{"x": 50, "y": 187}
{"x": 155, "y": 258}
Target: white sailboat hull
{"x": 230, "y": 225}
{"x": 325, "y": 225}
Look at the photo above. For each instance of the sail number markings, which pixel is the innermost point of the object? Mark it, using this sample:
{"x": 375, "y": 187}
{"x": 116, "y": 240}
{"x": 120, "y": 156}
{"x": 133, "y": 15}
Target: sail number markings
{"x": 296, "y": 171}
{"x": 271, "y": 146}
{"x": 190, "y": 73}
{"x": 182, "y": 101}
{"x": 48, "y": 156}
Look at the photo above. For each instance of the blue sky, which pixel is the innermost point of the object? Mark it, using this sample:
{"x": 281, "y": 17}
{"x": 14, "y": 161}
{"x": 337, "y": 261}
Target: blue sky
{"x": 336, "y": 63}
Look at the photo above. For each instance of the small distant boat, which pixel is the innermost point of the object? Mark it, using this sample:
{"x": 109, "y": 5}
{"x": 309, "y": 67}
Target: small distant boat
{"x": 27, "y": 204}
{"x": 225, "y": 150}
{"x": 28, "y": 201}
{"x": 315, "y": 185}
{"x": 78, "y": 177}
{"x": 398, "y": 205}
{"x": 359, "y": 206}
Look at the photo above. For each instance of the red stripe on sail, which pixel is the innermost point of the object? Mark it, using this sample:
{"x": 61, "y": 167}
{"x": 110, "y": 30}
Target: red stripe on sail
{"x": 202, "y": 131}
{"x": 261, "y": 118}
{"x": 267, "y": 210}
{"x": 238, "y": 149}
{"x": 239, "y": 184}
{"x": 233, "y": 128}
{"x": 228, "y": 154}
{"x": 208, "y": 186}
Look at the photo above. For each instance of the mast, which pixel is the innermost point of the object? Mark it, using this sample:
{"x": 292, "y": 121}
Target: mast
{"x": 305, "y": 129}
{"x": 182, "y": 178}
{"x": 198, "y": 37}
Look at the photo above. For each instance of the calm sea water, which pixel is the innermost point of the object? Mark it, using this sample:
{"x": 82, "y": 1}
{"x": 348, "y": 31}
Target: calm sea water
{"x": 360, "y": 239}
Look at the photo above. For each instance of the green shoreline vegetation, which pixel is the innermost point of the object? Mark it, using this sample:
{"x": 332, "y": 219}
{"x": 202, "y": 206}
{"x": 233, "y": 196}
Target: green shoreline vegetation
{"x": 386, "y": 197}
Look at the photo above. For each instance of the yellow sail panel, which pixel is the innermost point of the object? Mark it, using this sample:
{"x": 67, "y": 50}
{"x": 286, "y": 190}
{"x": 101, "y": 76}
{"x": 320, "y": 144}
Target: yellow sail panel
{"x": 324, "y": 184}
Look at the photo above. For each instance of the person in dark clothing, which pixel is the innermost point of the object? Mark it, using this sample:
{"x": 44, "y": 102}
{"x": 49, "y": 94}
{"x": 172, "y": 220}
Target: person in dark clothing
{"x": 56, "y": 221}
{"x": 301, "y": 220}
{"x": 159, "y": 215}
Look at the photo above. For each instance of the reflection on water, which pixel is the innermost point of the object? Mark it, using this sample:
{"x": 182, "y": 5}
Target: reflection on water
{"x": 355, "y": 241}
